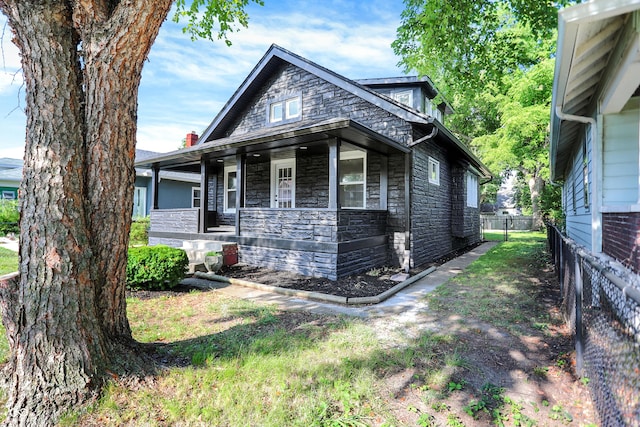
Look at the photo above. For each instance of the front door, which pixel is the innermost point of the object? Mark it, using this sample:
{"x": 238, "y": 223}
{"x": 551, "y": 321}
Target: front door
{"x": 283, "y": 185}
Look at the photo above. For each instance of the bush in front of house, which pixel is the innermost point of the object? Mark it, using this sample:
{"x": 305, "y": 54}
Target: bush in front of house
{"x": 139, "y": 234}
{"x": 155, "y": 267}
{"x": 9, "y": 217}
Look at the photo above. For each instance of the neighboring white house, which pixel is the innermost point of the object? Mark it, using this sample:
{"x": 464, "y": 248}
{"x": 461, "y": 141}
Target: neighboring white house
{"x": 595, "y": 126}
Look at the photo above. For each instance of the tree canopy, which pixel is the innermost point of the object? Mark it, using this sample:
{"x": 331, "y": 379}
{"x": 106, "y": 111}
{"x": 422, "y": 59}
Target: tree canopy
{"x": 494, "y": 62}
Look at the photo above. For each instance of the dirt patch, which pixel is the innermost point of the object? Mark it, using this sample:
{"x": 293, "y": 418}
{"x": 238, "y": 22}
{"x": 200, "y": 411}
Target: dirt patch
{"x": 486, "y": 375}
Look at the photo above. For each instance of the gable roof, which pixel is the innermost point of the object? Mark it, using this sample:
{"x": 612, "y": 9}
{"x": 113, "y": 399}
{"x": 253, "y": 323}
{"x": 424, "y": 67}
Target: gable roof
{"x": 589, "y": 35}
{"x": 274, "y": 58}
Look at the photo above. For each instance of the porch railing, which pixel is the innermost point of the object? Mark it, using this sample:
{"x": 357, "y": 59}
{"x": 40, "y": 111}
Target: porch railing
{"x": 603, "y": 308}
{"x": 175, "y": 220}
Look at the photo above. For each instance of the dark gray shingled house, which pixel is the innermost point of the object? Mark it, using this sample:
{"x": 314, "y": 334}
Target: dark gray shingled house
{"x": 311, "y": 172}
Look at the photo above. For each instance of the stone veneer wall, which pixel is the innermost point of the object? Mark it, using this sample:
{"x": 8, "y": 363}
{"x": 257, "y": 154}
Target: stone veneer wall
{"x": 307, "y": 241}
{"x": 621, "y": 238}
{"x": 431, "y": 206}
{"x": 177, "y": 220}
{"x": 321, "y": 100}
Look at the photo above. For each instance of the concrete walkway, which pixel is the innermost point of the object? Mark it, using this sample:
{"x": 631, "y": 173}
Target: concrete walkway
{"x": 406, "y": 303}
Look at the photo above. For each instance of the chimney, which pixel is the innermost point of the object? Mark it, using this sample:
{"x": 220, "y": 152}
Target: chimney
{"x": 192, "y": 138}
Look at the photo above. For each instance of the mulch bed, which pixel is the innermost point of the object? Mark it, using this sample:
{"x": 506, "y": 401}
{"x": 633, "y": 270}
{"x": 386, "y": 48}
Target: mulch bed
{"x": 371, "y": 283}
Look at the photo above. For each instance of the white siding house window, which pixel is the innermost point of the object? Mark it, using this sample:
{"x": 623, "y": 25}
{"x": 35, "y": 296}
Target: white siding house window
{"x": 285, "y": 110}
{"x": 230, "y": 188}
{"x": 8, "y": 195}
{"x": 472, "y": 190}
{"x": 196, "y": 197}
{"x": 353, "y": 179}
{"x": 434, "y": 171}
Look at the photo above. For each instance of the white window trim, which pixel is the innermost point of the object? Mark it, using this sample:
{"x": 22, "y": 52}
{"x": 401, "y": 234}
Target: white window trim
{"x": 436, "y": 163}
{"x": 193, "y": 197}
{"x": 350, "y": 155}
{"x": 8, "y": 195}
{"x": 225, "y": 190}
{"x": 284, "y": 104}
{"x": 397, "y": 94}
{"x": 472, "y": 190}
{"x": 290, "y": 162}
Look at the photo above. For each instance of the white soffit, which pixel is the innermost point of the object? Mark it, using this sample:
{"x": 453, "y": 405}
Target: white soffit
{"x": 588, "y": 35}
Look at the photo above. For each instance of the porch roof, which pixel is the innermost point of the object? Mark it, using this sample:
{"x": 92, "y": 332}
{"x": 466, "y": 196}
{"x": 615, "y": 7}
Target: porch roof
{"x": 276, "y": 138}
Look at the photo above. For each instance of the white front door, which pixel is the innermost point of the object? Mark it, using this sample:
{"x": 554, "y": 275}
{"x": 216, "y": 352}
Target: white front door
{"x": 140, "y": 202}
{"x": 283, "y": 184}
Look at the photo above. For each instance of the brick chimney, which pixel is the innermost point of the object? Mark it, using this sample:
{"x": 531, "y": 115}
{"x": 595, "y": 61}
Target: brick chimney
{"x": 192, "y": 138}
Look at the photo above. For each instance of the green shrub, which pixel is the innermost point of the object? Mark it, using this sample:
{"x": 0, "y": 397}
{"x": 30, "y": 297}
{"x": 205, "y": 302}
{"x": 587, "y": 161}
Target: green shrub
{"x": 9, "y": 217}
{"x": 155, "y": 267}
{"x": 139, "y": 234}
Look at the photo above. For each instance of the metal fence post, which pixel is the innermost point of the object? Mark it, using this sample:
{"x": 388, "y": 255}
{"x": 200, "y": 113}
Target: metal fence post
{"x": 579, "y": 334}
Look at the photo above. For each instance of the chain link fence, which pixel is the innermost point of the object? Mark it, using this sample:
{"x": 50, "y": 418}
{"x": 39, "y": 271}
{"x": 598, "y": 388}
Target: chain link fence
{"x": 603, "y": 309}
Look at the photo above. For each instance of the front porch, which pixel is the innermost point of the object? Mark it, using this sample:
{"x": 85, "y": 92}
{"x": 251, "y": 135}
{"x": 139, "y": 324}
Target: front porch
{"x": 315, "y": 242}
{"x": 309, "y": 201}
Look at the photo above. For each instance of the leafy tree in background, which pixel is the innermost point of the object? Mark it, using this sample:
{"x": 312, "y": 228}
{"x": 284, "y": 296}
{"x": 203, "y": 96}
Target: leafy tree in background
{"x": 493, "y": 60}
{"x": 65, "y": 314}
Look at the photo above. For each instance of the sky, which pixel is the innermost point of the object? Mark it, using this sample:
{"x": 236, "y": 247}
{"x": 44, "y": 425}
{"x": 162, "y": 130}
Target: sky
{"x": 185, "y": 83}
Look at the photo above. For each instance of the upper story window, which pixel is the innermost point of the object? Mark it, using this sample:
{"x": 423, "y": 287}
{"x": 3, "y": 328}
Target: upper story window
{"x": 285, "y": 110}
{"x": 434, "y": 171}
{"x": 403, "y": 96}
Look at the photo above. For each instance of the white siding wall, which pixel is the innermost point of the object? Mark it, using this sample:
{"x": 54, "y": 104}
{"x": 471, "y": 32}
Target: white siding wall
{"x": 578, "y": 213}
{"x": 620, "y": 156}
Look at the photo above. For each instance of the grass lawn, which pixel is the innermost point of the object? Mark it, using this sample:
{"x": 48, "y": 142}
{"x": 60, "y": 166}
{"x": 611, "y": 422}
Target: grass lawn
{"x": 8, "y": 261}
{"x": 229, "y": 362}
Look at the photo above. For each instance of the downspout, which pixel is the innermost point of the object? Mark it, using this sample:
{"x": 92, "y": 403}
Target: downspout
{"x": 596, "y": 221}
{"x": 407, "y": 197}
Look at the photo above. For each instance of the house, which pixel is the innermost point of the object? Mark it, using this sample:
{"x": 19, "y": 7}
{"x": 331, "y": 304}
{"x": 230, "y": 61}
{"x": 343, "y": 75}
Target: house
{"x": 308, "y": 171}
{"x": 595, "y": 123}
{"x": 10, "y": 178}
{"x": 175, "y": 189}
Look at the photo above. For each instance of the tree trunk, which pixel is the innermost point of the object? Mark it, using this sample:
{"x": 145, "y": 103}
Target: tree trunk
{"x": 536, "y": 185}
{"x": 66, "y": 315}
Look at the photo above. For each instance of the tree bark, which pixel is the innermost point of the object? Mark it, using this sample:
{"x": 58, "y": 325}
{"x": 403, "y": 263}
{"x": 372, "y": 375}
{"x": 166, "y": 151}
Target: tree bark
{"x": 66, "y": 314}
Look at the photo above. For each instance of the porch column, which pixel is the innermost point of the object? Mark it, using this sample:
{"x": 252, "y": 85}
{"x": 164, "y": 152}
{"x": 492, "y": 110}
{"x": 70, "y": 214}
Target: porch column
{"x": 384, "y": 182}
{"x": 155, "y": 173}
{"x": 334, "y": 163}
{"x": 240, "y": 161}
{"x": 204, "y": 195}
{"x": 407, "y": 211}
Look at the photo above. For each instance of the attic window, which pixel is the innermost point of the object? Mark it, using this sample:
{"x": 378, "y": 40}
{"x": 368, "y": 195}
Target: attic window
{"x": 404, "y": 96}
{"x": 285, "y": 110}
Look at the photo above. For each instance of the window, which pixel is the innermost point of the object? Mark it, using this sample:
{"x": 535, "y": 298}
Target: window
{"x": 434, "y": 171}
{"x": 472, "y": 190}
{"x": 195, "y": 197}
{"x": 283, "y": 111}
{"x": 585, "y": 175}
{"x": 353, "y": 179}
{"x": 230, "y": 188}
{"x": 8, "y": 195}
{"x": 428, "y": 106}
{"x": 283, "y": 183}
{"x": 404, "y": 96}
